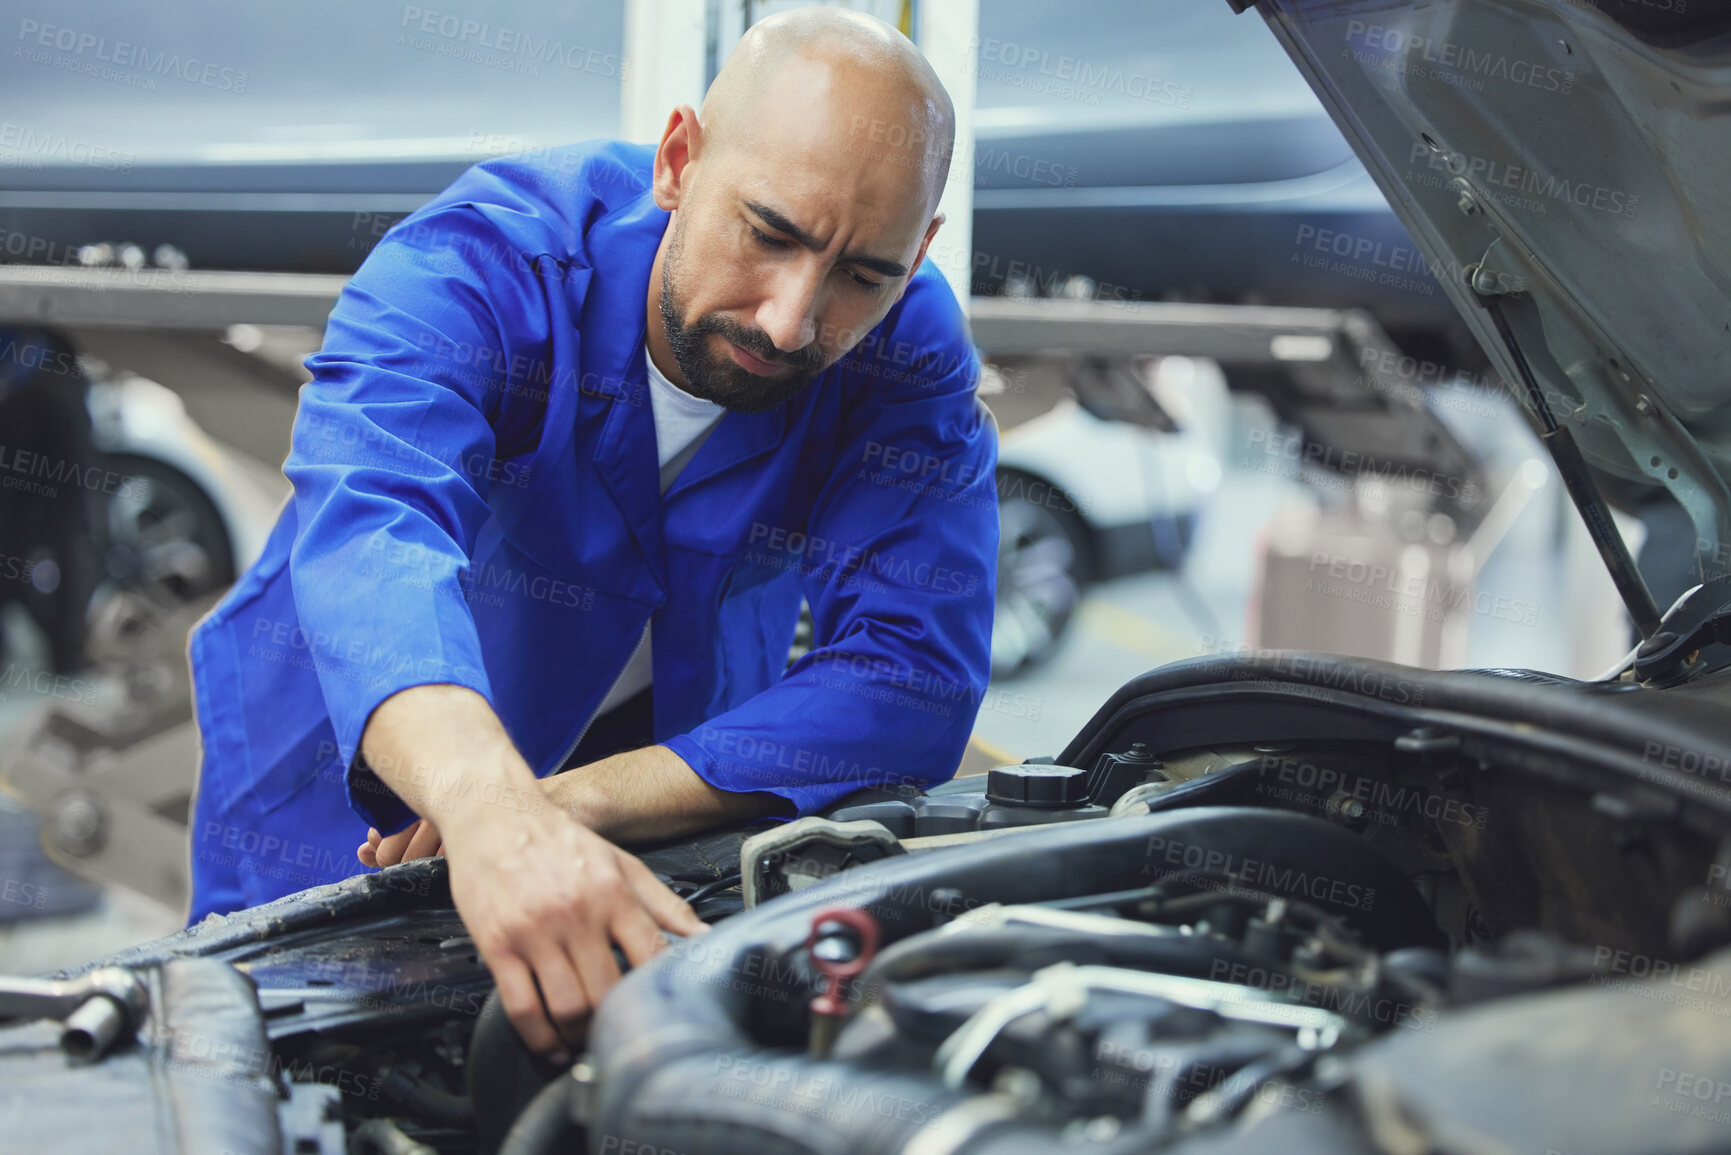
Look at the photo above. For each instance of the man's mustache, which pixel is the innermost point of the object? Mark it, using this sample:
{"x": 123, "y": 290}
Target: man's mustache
{"x": 757, "y": 343}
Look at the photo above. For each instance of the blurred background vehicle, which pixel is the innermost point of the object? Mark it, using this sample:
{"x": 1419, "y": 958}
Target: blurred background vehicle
{"x": 1104, "y": 469}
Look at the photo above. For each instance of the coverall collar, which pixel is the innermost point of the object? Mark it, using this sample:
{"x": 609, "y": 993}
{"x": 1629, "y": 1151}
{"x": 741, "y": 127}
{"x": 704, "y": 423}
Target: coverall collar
{"x": 615, "y": 325}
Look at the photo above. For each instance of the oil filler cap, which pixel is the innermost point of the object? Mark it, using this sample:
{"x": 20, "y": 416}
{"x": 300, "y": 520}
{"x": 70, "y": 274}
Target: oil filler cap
{"x": 1050, "y": 787}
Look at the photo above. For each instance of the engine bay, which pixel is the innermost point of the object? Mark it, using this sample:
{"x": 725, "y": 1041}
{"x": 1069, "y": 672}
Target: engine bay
{"x": 1236, "y": 914}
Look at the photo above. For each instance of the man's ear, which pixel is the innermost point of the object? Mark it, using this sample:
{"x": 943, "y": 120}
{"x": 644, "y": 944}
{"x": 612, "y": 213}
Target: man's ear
{"x": 920, "y": 257}
{"x": 681, "y": 141}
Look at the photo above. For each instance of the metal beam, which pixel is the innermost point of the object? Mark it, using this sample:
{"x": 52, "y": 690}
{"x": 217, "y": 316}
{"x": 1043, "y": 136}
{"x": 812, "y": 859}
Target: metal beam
{"x": 204, "y": 300}
{"x": 1234, "y": 334}
{"x": 163, "y": 298}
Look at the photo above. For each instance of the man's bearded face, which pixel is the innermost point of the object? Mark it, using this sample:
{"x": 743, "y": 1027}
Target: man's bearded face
{"x": 710, "y": 370}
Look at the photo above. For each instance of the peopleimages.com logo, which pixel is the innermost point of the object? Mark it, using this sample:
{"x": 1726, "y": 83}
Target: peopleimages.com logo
{"x": 122, "y": 60}
{"x": 1521, "y": 186}
{"x": 1465, "y": 65}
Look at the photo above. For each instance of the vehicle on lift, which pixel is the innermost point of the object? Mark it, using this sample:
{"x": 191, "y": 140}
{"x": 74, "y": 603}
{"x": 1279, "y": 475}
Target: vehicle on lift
{"x": 1262, "y": 902}
{"x": 1115, "y": 428}
{"x": 1110, "y": 163}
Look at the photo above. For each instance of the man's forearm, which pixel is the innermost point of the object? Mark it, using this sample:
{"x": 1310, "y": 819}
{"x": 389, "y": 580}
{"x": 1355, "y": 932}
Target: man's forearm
{"x": 444, "y": 752}
{"x": 650, "y": 794}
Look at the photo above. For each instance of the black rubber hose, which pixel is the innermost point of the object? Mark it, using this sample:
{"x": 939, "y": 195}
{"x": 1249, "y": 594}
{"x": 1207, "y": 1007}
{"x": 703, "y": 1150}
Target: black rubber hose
{"x": 427, "y": 1101}
{"x": 711, "y": 888}
{"x": 777, "y": 1103}
{"x": 504, "y": 1075}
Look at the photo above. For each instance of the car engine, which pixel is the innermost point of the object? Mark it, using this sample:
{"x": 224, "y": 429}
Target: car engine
{"x": 1331, "y": 922}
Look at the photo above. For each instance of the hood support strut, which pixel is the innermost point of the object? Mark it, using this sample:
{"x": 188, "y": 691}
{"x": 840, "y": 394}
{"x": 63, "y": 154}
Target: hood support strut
{"x": 1637, "y": 598}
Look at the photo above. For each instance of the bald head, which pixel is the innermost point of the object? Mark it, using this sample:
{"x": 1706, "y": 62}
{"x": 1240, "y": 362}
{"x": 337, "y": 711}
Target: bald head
{"x": 803, "y": 197}
{"x": 836, "y": 77}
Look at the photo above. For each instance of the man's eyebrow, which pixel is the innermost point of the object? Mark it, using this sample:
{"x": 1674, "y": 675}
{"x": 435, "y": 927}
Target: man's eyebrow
{"x": 781, "y": 224}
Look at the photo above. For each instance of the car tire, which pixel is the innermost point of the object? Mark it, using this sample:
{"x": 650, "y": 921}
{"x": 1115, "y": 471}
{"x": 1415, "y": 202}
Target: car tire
{"x": 162, "y": 536}
{"x": 1044, "y": 565}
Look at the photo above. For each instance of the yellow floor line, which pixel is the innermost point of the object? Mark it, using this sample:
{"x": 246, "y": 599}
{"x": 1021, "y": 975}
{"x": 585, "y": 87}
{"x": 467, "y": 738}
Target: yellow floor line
{"x": 989, "y": 748}
{"x": 1117, "y": 626}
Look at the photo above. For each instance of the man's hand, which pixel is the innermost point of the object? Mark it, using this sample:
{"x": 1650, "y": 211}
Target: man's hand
{"x": 543, "y": 897}
{"x": 419, "y": 839}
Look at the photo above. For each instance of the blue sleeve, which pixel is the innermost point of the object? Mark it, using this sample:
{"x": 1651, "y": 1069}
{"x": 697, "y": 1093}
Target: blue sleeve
{"x": 900, "y": 572}
{"x": 401, "y": 395}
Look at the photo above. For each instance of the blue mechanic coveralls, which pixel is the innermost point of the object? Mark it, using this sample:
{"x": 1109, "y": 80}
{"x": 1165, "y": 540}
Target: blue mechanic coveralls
{"x": 476, "y": 501}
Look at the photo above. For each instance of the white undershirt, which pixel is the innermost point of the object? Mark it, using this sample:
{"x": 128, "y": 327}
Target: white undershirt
{"x": 680, "y": 419}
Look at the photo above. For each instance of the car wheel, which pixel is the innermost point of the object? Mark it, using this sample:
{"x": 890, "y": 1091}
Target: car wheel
{"x": 1042, "y": 571}
{"x": 164, "y": 537}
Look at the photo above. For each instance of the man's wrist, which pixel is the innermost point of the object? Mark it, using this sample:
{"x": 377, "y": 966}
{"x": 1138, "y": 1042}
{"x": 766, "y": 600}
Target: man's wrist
{"x": 575, "y": 794}
{"x": 443, "y": 751}
{"x": 486, "y": 791}
{"x": 649, "y": 794}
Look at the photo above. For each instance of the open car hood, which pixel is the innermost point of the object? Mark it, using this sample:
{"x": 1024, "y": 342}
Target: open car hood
{"x": 1565, "y": 168}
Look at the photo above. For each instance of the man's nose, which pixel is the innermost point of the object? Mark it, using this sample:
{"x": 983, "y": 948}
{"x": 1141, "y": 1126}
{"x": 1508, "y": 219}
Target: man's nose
{"x": 789, "y": 314}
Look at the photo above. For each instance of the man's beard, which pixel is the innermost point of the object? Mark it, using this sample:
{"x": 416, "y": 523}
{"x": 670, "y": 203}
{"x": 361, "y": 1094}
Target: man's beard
{"x": 718, "y": 377}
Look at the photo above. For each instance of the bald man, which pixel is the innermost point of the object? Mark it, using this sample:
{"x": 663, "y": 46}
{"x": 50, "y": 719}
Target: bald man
{"x": 584, "y": 432}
